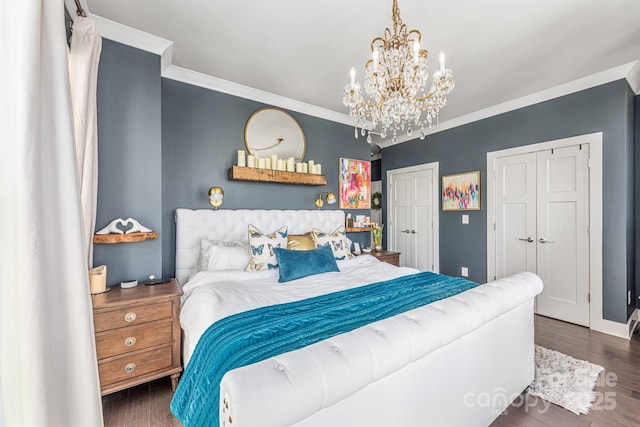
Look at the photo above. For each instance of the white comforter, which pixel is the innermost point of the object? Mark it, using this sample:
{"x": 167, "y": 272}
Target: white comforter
{"x": 212, "y": 295}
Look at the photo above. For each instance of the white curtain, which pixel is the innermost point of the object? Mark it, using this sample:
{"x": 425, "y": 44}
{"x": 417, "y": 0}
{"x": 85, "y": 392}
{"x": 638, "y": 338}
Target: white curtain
{"x": 84, "y": 56}
{"x": 48, "y": 372}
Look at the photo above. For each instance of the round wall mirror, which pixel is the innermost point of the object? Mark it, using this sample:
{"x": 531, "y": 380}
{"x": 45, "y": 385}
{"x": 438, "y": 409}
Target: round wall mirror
{"x": 272, "y": 131}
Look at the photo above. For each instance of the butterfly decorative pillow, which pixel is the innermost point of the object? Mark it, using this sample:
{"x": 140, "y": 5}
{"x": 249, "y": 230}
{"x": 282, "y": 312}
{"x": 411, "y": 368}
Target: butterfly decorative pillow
{"x": 337, "y": 239}
{"x": 261, "y": 246}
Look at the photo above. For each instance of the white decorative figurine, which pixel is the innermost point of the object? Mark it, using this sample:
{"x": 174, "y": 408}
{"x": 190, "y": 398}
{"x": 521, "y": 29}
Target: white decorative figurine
{"x": 112, "y": 228}
{"x": 137, "y": 227}
{"x": 119, "y": 225}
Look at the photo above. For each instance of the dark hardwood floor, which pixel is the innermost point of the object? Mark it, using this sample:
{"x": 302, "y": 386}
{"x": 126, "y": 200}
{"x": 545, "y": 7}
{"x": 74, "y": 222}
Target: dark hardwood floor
{"x": 146, "y": 405}
{"x": 618, "y": 388}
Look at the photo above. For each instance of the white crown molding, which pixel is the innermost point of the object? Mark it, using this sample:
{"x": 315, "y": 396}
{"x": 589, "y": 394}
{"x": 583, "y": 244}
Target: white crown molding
{"x": 195, "y": 78}
{"x": 629, "y": 71}
{"x": 150, "y": 43}
{"x": 135, "y": 38}
{"x": 633, "y": 77}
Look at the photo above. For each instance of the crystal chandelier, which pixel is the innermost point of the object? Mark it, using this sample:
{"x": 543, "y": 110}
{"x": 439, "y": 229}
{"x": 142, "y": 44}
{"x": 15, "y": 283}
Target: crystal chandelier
{"x": 395, "y": 83}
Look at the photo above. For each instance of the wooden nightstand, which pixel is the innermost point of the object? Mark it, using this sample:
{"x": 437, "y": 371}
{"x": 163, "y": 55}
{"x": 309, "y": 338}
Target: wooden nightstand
{"x": 137, "y": 335}
{"x": 390, "y": 257}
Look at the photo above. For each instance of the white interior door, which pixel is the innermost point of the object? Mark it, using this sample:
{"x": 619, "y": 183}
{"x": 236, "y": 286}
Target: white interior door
{"x": 515, "y": 214}
{"x": 542, "y": 226}
{"x": 400, "y": 194}
{"x": 422, "y": 228}
{"x": 563, "y": 233}
{"x": 412, "y": 216}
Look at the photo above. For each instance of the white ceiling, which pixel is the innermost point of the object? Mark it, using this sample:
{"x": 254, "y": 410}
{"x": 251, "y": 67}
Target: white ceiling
{"x": 499, "y": 50}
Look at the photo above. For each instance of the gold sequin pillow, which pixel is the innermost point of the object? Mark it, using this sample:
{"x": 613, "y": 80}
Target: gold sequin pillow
{"x": 301, "y": 242}
{"x": 261, "y": 246}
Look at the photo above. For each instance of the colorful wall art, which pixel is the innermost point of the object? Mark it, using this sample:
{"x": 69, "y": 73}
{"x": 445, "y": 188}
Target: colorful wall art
{"x": 461, "y": 192}
{"x": 355, "y": 184}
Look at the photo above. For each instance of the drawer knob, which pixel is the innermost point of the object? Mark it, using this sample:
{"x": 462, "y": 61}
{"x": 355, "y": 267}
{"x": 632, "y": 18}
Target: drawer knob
{"x": 130, "y": 368}
{"x": 130, "y": 317}
{"x": 130, "y": 341}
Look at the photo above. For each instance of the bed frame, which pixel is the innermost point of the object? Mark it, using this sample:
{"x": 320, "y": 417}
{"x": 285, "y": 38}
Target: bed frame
{"x": 456, "y": 362}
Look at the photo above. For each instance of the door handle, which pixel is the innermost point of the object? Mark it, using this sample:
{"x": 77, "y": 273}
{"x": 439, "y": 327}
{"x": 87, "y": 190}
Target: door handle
{"x": 405, "y": 231}
{"x": 528, "y": 239}
{"x": 414, "y": 232}
{"x": 543, "y": 240}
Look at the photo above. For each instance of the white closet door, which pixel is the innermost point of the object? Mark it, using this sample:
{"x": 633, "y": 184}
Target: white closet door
{"x": 413, "y": 208}
{"x": 515, "y": 214}
{"x": 542, "y": 226}
{"x": 563, "y": 233}
{"x": 421, "y": 232}
{"x": 399, "y": 233}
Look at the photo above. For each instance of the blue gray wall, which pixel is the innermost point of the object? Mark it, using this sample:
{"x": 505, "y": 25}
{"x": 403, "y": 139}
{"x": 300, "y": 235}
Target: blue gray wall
{"x": 201, "y": 133}
{"x": 609, "y": 109}
{"x": 163, "y": 143}
{"x": 129, "y": 158}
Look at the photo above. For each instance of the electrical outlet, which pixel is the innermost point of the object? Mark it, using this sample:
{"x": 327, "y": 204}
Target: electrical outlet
{"x": 464, "y": 272}
{"x": 465, "y": 219}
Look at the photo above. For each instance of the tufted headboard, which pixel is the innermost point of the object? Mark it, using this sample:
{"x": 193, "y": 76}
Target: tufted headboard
{"x": 227, "y": 224}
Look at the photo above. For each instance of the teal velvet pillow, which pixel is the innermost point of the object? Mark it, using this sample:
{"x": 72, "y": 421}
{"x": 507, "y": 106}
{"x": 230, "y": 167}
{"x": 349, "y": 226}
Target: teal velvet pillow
{"x": 298, "y": 264}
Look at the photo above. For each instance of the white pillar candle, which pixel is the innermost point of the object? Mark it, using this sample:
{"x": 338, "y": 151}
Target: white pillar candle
{"x": 281, "y": 165}
{"x": 305, "y": 168}
{"x": 290, "y": 164}
{"x": 261, "y": 162}
{"x": 298, "y": 167}
{"x": 267, "y": 163}
{"x": 241, "y": 159}
{"x": 274, "y": 161}
{"x": 251, "y": 161}
{"x": 319, "y": 169}
{"x": 311, "y": 164}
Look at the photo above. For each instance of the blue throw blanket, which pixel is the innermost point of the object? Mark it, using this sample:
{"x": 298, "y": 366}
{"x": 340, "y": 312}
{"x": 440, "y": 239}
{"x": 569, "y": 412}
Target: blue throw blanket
{"x": 255, "y": 335}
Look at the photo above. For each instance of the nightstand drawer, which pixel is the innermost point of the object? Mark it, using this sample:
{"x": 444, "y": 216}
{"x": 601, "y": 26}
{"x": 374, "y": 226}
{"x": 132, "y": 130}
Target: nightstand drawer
{"x": 133, "y": 365}
{"x": 106, "y": 320}
{"x": 133, "y": 338}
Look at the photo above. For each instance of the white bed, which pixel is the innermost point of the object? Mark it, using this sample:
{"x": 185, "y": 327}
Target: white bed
{"x": 458, "y": 361}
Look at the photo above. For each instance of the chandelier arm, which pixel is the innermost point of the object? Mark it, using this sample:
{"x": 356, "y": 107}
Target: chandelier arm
{"x": 414, "y": 31}
{"x": 377, "y": 39}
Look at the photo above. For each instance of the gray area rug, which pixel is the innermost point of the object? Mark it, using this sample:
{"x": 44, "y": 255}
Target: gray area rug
{"x": 563, "y": 380}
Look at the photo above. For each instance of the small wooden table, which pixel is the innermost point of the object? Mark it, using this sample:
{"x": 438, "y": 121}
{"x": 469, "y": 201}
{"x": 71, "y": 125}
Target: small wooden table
{"x": 138, "y": 335}
{"x": 390, "y": 257}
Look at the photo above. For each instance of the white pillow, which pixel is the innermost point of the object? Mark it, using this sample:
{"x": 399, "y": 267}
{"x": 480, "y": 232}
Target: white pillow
{"x": 261, "y": 248}
{"x": 217, "y": 255}
{"x": 340, "y": 244}
{"x": 228, "y": 257}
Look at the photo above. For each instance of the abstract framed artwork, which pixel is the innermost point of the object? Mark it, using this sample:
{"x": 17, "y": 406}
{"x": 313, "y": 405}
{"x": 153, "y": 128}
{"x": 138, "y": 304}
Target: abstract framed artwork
{"x": 355, "y": 184}
{"x": 461, "y": 192}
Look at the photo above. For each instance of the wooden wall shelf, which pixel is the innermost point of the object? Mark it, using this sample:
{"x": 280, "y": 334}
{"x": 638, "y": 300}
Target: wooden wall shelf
{"x": 237, "y": 173}
{"x": 357, "y": 229}
{"x": 124, "y": 238}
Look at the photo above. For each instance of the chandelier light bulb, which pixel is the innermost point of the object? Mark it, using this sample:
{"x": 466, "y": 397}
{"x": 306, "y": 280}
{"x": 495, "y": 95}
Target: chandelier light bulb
{"x": 416, "y": 50}
{"x": 441, "y": 61}
{"x": 353, "y": 76}
{"x": 375, "y": 60}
